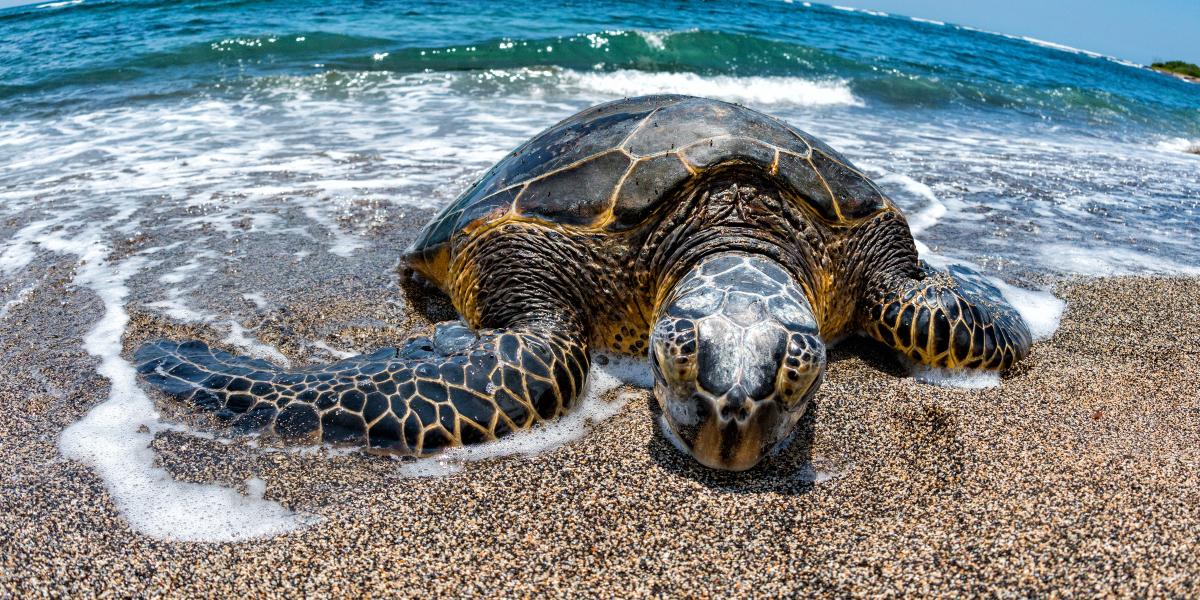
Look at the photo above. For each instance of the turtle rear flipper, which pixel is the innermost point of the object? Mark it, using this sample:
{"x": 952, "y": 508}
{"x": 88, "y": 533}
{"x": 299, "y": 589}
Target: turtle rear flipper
{"x": 412, "y": 400}
{"x": 951, "y": 318}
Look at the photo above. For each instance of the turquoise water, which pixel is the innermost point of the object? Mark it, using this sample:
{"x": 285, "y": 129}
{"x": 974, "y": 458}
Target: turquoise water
{"x": 1004, "y": 151}
{"x": 65, "y": 55}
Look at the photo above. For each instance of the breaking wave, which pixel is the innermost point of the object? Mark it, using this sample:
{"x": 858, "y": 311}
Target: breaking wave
{"x": 735, "y": 66}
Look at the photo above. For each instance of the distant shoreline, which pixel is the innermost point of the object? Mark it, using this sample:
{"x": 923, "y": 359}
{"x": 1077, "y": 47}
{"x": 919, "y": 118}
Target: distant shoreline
{"x": 1180, "y": 69}
{"x": 1177, "y": 75}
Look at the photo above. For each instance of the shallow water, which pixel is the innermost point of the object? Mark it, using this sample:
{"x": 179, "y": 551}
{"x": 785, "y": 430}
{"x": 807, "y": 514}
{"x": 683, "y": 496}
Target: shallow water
{"x": 1014, "y": 154}
{"x": 202, "y": 160}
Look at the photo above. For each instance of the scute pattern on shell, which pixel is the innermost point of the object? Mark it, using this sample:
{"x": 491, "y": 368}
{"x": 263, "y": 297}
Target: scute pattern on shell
{"x": 609, "y": 167}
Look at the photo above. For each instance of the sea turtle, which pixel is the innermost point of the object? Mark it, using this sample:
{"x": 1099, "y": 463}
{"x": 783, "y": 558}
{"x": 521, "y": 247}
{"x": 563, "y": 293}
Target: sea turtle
{"x": 728, "y": 246}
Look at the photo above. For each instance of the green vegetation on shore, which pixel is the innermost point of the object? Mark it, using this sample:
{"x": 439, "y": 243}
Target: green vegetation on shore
{"x": 1178, "y": 67}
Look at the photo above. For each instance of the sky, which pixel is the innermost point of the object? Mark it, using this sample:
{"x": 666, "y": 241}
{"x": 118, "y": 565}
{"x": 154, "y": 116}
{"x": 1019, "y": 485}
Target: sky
{"x": 1145, "y": 31}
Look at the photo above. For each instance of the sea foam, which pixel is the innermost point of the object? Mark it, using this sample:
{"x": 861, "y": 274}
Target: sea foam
{"x": 18, "y": 298}
{"x": 956, "y": 378}
{"x": 238, "y": 337}
{"x": 747, "y": 90}
{"x": 114, "y": 436}
{"x": 1179, "y": 144}
{"x": 1111, "y": 261}
{"x": 929, "y": 214}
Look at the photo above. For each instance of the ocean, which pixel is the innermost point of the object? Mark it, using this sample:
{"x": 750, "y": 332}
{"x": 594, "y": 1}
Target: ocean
{"x": 1008, "y": 152}
{"x": 209, "y": 163}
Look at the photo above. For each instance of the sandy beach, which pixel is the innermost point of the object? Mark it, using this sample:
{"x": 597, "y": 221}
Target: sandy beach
{"x": 1077, "y": 475}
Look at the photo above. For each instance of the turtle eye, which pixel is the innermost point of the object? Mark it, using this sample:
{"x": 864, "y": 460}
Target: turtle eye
{"x": 801, "y": 369}
{"x": 674, "y": 347}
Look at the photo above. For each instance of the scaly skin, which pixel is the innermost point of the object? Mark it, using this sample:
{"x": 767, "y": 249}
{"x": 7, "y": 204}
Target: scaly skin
{"x": 619, "y": 280}
{"x": 936, "y": 318}
{"x": 940, "y": 320}
{"x": 414, "y": 400}
{"x": 541, "y": 295}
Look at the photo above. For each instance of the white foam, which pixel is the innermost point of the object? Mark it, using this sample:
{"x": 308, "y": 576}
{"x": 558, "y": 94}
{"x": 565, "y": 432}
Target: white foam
{"x": 259, "y": 301}
{"x": 1179, "y": 144}
{"x": 1057, "y": 46}
{"x": 343, "y": 243}
{"x": 60, "y": 4}
{"x": 256, "y": 488}
{"x": 933, "y": 210}
{"x": 956, "y": 378}
{"x": 654, "y": 39}
{"x": 338, "y": 354}
{"x": 874, "y": 13}
{"x": 187, "y": 270}
{"x": 255, "y": 348}
{"x": 929, "y": 21}
{"x": 21, "y": 248}
{"x": 593, "y": 407}
{"x": 17, "y": 300}
{"x": 114, "y": 436}
{"x": 1041, "y": 310}
{"x": 748, "y": 90}
{"x": 175, "y": 307}
{"x": 15, "y": 256}
{"x": 1109, "y": 261}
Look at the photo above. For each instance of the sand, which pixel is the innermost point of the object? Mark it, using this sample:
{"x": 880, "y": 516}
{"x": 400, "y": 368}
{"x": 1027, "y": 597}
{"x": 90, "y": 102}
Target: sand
{"x": 1080, "y": 474}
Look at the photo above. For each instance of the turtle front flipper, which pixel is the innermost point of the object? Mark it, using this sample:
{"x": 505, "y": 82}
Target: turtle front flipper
{"x": 951, "y": 318}
{"x": 461, "y": 387}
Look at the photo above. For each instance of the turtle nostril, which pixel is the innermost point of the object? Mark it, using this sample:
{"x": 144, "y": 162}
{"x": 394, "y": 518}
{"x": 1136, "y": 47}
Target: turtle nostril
{"x": 736, "y": 405}
{"x": 727, "y": 411}
{"x": 739, "y": 411}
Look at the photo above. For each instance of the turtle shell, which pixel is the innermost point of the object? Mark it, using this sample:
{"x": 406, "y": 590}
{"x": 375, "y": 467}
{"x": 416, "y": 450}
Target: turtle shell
{"x": 610, "y": 166}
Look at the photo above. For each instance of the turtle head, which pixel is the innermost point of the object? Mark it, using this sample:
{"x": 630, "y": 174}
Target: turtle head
{"x": 736, "y": 355}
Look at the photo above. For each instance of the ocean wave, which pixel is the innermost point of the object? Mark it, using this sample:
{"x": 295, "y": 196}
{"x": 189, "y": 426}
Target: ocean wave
{"x": 1179, "y": 145}
{"x": 1074, "y": 50}
{"x": 694, "y": 51}
{"x": 63, "y": 4}
{"x": 553, "y": 84}
{"x": 700, "y": 51}
{"x": 697, "y": 51}
{"x": 741, "y": 67}
{"x": 929, "y": 21}
{"x": 747, "y": 90}
{"x": 1054, "y": 45}
{"x": 864, "y": 11}
{"x": 818, "y": 89}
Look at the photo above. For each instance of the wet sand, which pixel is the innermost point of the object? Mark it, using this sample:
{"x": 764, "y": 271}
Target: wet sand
{"x": 1080, "y": 474}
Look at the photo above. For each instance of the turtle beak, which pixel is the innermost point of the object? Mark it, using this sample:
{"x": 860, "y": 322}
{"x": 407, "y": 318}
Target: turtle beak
{"x": 731, "y": 437}
{"x": 731, "y": 432}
